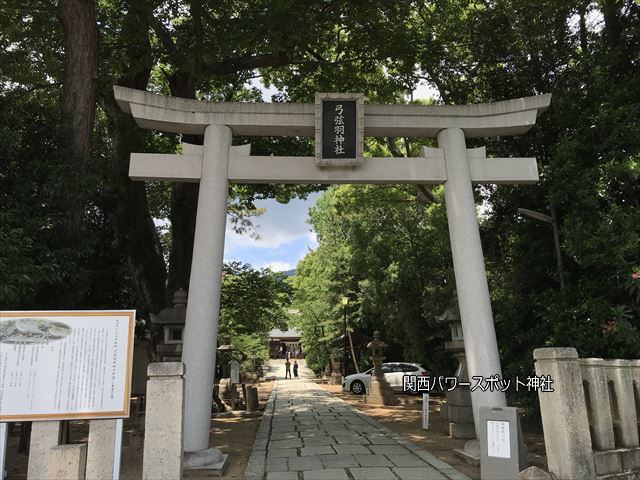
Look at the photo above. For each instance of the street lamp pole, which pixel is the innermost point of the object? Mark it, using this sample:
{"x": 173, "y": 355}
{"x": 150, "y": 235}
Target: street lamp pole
{"x": 552, "y": 220}
{"x": 345, "y": 302}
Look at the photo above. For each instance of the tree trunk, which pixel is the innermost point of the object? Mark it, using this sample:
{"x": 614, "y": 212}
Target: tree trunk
{"x": 79, "y": 91}
{"x": 619, "y": 59}
{"x": 184, "y": 202}
{"x": 136, "y": 232}
{"x": 127, "y": 203}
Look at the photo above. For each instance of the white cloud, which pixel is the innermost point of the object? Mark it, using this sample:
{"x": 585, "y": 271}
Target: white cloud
{"x": 278, "y": 266}
{"x": 280, "y": 225}
{"x": 313, "y": 240}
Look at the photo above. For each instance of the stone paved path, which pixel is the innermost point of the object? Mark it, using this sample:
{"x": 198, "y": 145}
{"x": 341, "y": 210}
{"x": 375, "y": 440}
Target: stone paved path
{"x": 307, "y": 433}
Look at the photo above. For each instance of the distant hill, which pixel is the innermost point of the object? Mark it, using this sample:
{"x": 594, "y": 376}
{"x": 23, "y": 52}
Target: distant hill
{"x": 290, "y": 273}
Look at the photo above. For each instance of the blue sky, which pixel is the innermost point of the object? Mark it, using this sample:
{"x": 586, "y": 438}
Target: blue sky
{"x": 285, "y": 237}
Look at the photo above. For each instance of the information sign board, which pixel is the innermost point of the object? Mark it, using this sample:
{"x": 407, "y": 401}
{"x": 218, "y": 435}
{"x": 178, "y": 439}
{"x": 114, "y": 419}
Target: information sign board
{"x": 63, "y": 365}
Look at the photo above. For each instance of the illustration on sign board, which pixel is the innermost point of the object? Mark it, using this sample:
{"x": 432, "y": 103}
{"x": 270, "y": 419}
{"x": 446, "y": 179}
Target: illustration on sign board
{"x": 32, "y": 330}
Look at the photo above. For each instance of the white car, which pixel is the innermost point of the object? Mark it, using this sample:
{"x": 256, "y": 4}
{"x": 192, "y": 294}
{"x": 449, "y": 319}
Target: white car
{"x": 393, "y": 372}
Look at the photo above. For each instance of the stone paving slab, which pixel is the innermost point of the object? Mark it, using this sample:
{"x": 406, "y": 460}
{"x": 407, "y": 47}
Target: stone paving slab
{"x": 326, "y": 474}
{"x": 414, "y": 473}
{"x": 307, "y": 433}
{"x": 339, "y": 461}
{"x": 372, "y": 473}
{"x": 282, "y": 476}
{"x": 316, "y": 450}
{"x": 373, "y": 461}
{"x": 283, "y": 452}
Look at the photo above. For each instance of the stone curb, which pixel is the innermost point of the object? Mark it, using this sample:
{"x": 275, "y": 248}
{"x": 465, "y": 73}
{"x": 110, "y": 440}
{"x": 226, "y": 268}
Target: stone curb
{"x": 257, "y": 460}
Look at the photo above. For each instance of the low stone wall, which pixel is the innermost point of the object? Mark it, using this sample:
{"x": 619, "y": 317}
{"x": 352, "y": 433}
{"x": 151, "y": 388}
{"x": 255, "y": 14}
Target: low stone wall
{"x": 591, "y": 420}
{"x": 163, "y": 441}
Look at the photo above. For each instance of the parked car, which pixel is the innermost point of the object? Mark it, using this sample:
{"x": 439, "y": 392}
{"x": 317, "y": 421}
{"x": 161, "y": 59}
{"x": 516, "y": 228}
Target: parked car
{"x": 393, "y": 372}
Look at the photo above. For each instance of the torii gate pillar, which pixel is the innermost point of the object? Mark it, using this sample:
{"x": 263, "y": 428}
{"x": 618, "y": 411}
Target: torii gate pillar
{"x": 203, "y": 307}
{"x": 481, "y": 348}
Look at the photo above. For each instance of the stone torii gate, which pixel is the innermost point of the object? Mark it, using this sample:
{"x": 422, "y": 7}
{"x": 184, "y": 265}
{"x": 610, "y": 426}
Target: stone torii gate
{"x": 217, "y": 163}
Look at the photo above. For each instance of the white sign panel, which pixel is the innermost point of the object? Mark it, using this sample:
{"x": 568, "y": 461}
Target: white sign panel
{"x": 425, "y": 411}
{"x": 498, "y": 440}
{"x": 65, "y": 364}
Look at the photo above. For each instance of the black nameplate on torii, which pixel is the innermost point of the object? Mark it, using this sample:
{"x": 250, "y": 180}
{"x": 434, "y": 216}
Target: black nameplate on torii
{"x": 339, "y": 125}
{"x": 339, "y": 129}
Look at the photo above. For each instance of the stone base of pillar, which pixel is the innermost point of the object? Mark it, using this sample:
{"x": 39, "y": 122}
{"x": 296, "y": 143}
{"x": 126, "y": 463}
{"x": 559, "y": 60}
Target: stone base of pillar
{"x": 463, "y": 431}
{"x": 459, "y": 414}
{"x": 380, "y": 393}
{"x": 335, "y": 379}
{"x": 211, "y": 459}
{"x": 471, "y": 452}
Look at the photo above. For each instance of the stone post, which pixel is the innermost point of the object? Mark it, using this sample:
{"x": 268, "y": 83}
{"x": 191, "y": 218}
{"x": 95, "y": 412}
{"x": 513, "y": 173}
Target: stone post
{"x": 336, "y": 370}
{"x": 67, "y": 462}
{"x": 163, "y": 439}
{"x": 625, "y": 423}
{"x": 44, "y": 436}
{"x": 635, "y": 374}
{"x": 100, "y": 450}
{"x": 597, "y": 398}
{"x": 252, "y": 398}
{"x": 481, "y": 346}
{"x": 564, "y": 415}
{"x": 201, "y": 326}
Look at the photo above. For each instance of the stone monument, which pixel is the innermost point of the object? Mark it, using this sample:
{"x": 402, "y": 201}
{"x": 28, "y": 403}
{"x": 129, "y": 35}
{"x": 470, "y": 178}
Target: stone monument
{"x": 234, "y": 371}
{"x": 379, "y": 391}
{"x": 458, "y": 409}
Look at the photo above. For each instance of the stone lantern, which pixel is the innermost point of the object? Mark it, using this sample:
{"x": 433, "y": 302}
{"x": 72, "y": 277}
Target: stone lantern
{"x": 226, "y": 356}
{"x": 379, "y": 391}
{"x": 458, "y": 408}
{"x": 230, "y": 374}
{"x": 172, "y": 322}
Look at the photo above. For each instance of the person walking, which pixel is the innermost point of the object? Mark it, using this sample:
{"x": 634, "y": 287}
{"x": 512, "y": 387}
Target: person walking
{"x": 287, "y": 366}
{"x": 295, "y": 369}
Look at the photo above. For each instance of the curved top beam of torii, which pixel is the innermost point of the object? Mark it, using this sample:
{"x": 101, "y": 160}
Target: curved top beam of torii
{"x": 180, "y": 115}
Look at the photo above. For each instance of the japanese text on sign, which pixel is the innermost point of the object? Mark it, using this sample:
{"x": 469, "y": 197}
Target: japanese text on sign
{"x": 339, "y": 129}
{"x": 415, "y": 384}
{"x": 498, "y": 442}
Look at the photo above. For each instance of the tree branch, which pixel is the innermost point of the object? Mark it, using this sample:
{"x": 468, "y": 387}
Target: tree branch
{"x": 425, "y": 196}
{"x": 391, "y": 143}
{"x": 164, "y": 36}
{"x": 247, "y": 62}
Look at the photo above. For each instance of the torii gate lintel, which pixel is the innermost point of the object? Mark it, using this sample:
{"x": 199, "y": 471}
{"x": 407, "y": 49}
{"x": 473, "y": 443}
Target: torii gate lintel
{"x": 429, "y": 168}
